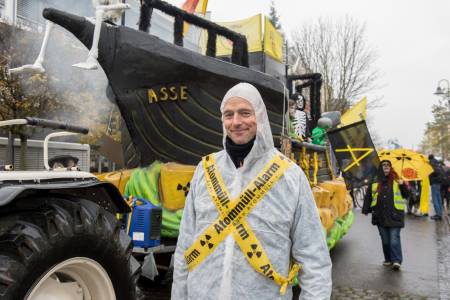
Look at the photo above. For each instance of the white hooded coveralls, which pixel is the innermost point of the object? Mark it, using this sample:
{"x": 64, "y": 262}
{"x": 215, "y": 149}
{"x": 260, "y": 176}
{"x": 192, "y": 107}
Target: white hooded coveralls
{"x": 286, "y": 223}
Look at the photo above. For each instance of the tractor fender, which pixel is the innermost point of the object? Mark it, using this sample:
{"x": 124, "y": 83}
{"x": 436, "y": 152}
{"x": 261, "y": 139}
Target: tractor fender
{"x": 104, "y": 194}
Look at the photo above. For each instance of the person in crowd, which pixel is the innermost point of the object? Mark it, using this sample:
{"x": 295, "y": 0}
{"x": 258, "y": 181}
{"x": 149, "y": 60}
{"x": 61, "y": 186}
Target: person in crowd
{"x": 63, "y": 161}
{"x": 248, "y": 203}
{"x": 445, "y": 186}
{"x": 319, "y": 133}
{"x": 436, "y": 178}
{"x": 385, "y": 200}
{"x": 414, "y": 198}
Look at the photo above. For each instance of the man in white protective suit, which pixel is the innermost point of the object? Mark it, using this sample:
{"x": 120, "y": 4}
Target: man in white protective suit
{"x": 250, "y": 221}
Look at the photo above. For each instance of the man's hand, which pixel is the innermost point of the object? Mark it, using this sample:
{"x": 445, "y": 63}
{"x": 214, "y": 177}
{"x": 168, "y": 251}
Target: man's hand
{"x": 400, "y": 181}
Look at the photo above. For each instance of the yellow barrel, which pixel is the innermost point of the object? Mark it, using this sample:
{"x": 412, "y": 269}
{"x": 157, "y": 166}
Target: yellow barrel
{"x": 327, "y": 218}
{"x": 174, "y": 184}
{"x": 339, "y": 193}
{"x": 118, "y": 178}
{"x": 321, "y": 196}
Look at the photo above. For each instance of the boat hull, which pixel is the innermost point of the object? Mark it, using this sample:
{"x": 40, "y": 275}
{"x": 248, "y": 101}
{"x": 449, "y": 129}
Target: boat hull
{"x": 169, "y": 96}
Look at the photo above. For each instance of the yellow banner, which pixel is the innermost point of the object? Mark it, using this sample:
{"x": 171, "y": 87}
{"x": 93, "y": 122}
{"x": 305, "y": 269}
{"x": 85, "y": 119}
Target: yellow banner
{"x": 355, "y": 114}
{"x": 233, "y": 220}
{"x": 250, "y": 27}
{"x": 273, "y": 41}
{"x": 425, "y": 196}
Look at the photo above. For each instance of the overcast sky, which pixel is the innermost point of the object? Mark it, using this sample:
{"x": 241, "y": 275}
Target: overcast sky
{"x": 412, "y": 39}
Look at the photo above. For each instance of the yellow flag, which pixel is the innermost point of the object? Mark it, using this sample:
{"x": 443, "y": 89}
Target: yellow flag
{"x": 355, "y": 114}
{"x": 424, "y": 196}
{"x": 250, "y": 27}
{"x": 201, "y": 7}
{"x": 273, "y": 41}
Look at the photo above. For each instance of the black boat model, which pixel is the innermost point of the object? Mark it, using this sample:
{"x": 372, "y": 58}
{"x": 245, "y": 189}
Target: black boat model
{"x": 170, "y": 96}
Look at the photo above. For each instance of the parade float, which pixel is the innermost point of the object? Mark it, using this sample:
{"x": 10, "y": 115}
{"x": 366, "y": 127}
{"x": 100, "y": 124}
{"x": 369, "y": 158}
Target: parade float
{"x": 169, "y": 98}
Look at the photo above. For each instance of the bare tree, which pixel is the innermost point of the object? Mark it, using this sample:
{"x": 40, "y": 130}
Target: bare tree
{"x": 274, "y": 17}
{"x": 436, "y": 138}
{"x": 339, "y": 51}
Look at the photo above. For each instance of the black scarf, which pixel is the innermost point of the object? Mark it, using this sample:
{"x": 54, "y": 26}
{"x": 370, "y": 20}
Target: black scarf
{"x": 237, "y": 152}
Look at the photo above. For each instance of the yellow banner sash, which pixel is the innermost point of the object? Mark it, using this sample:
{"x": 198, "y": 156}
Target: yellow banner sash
{"x": 233, "y": 220}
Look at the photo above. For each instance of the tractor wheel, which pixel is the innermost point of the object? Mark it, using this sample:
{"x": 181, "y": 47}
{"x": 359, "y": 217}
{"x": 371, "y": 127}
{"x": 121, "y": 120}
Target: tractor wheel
{"x": 61, "y": 249}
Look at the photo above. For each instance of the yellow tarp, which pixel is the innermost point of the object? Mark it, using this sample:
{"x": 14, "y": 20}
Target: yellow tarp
{"x": 250, "y": 27}
{"x": 273, "y": 41}
{"x": 355, "y": 114}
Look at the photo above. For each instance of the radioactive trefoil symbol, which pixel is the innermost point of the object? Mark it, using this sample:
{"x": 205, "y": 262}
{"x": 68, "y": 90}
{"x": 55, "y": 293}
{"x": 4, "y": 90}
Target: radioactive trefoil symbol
{"x": 253, "y": 251}
{"x": 206, "y": 241}
{"x": 185, "y": 189}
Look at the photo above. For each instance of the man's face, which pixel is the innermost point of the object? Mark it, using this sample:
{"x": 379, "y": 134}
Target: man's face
{"x": 292, "y": 108}
{"x": 71, "y": 163}
{"x": 57, "y": 165}
{"x": 239, "y": 120}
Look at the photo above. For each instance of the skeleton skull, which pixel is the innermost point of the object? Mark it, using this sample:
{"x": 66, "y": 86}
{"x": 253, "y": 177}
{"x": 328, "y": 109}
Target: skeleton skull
{"x": 109, "y": 15}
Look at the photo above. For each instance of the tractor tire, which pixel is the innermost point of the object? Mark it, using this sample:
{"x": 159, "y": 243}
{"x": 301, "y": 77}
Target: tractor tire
{"x": 65, "y": 249}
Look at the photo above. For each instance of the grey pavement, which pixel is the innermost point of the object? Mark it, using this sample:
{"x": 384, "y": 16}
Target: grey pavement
{"x": 358, "y": 272}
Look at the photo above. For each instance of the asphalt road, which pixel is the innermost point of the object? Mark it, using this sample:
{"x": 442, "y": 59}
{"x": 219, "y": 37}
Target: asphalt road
{"x": 358, "y": 257}
{"x": 357, "y": 264}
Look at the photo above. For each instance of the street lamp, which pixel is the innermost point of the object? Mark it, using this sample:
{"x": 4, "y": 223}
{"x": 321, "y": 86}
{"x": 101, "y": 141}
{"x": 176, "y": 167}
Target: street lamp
{"x": 443, "y": 91}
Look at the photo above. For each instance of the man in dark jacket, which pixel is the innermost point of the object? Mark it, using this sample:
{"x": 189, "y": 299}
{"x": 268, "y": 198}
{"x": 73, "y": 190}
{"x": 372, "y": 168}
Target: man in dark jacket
{"x": 435, "y": 182}
{"x": 385, "y": 199}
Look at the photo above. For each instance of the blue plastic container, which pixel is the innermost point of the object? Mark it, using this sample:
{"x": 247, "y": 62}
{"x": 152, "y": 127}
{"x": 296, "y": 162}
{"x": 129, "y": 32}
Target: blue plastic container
{"x": 145, "y": 226}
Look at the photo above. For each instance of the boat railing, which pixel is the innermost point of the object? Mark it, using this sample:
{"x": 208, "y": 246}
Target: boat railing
{"x": 314, "y": 159}
{"x": 240, "y": 49}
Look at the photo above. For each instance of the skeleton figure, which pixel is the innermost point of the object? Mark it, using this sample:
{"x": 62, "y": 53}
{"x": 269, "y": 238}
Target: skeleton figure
{"x": 37, "y": 66}
{"x": 300, "y": 117}
{"x": 112, "y": 15}
{"x": 105, "y": 10}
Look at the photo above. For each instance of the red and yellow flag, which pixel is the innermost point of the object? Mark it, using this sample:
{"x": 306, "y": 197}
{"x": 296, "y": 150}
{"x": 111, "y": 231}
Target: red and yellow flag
{"x": 191, "y": 6}
{"x": 198, "y": 6}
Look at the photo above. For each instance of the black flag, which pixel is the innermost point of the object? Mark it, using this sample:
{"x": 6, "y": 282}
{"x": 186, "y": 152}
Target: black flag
{"x": 355, "y": 153}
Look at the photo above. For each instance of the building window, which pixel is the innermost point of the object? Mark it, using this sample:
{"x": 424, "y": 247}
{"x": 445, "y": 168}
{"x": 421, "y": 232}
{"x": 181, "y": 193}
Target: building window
{"x": 28, "y": 10}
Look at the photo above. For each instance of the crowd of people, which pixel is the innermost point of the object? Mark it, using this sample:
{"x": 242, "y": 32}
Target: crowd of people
{"x": 440, "y": 190}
